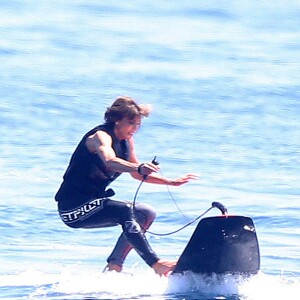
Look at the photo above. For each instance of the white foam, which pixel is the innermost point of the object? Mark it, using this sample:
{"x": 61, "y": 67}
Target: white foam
{"x": 139, "y": 282}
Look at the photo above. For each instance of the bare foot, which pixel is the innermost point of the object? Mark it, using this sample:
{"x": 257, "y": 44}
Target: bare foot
{"x": 112, "y": 267}
{"x": 164, "y": 267}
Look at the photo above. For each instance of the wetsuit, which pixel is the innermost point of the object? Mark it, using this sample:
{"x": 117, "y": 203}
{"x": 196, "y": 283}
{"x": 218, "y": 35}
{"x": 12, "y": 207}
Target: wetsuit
{"x": 83, "y": 200}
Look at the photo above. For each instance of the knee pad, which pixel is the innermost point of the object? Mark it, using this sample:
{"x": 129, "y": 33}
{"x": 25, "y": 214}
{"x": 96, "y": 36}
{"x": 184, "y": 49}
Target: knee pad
{"x": 132, "y": 227}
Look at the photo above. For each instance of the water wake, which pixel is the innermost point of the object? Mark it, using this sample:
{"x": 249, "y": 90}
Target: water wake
{"x": 140, "y": 283}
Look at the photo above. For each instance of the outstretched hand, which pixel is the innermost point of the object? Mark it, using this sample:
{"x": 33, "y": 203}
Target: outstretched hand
{"x": 182, "y": 180}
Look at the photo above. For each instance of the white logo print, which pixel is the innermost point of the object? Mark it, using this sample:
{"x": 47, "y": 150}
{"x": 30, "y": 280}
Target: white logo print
{"x": 83, "y": 211}
{"x": 132, "y": 226}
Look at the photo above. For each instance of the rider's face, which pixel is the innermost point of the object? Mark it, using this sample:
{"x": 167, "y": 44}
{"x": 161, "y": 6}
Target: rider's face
{"x": 126, "y": 128}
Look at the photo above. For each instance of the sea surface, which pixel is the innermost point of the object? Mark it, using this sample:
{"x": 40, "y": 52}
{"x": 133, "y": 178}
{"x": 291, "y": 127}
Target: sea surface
{"x": 223, "y": 78}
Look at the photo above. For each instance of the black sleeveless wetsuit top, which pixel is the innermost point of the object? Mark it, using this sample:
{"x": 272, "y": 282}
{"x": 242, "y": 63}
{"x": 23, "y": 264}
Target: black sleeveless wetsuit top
{"x": 87, "y": 177}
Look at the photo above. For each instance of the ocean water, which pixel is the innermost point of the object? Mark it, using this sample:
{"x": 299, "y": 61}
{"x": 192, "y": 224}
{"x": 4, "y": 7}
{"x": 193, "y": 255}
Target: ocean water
{"x": 224, "y": 82}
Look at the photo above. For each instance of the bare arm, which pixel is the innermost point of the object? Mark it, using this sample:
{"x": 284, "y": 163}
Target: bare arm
{"x": 101, "y": 144}
{"x": 156, "y": 178}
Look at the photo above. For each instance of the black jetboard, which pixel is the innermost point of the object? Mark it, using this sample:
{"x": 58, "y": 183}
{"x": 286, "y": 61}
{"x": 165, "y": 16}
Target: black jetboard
{"x": 222, "y": 244}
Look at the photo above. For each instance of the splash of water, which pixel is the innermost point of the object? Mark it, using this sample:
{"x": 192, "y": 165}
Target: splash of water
{"x": 136, "y": 283}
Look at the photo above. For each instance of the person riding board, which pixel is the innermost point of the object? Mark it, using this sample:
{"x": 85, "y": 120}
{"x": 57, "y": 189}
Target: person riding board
{"x": 103, "y": 154}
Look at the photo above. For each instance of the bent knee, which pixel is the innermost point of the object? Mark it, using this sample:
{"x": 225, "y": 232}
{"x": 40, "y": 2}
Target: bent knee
{"x": 144, "y": 213}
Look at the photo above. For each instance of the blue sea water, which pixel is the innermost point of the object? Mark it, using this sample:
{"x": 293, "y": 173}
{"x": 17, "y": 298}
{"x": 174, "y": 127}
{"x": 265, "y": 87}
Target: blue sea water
{"x": 223, "y": 78}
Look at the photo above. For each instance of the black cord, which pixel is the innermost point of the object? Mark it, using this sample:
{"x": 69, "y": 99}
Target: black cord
{"x": 172, "y": 232}
{"x": 183, "y": 227}
{"x": 137, "y": 191}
